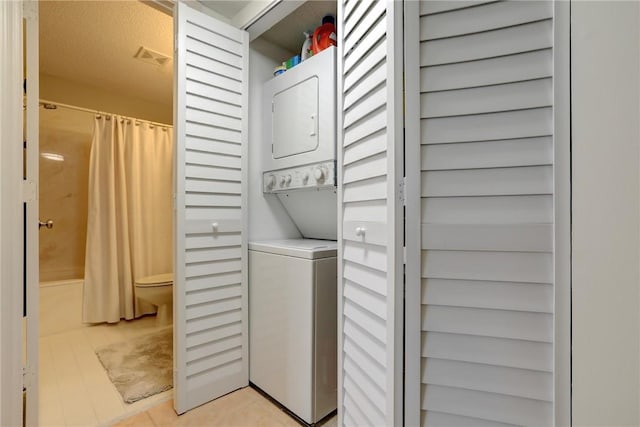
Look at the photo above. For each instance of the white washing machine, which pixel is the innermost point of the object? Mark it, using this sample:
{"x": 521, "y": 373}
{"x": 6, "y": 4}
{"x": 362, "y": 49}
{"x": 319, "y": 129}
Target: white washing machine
{"x": 293, "y": 324}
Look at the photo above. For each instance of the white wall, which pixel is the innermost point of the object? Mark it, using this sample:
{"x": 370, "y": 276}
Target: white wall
{"x": 606, "y": 215}
{"x": 53, "y": 88}
{"x": 267, "y": 217}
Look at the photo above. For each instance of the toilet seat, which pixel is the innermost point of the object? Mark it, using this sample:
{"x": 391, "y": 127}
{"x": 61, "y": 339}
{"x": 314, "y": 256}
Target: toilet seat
{"x": 165, "y": 279}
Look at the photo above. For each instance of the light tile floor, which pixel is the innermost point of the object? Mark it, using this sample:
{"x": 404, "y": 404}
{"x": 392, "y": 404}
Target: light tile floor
{"x": 76, "y": 391}
{"x": 74, "y": 387}
{"x": 244, "y": 407}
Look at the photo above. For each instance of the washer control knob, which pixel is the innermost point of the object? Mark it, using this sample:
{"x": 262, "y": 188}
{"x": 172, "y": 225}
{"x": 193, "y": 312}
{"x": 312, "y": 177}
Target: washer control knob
{"x": 288, "y": 179}
{"x": 305, "y": 177}
{"x": 270, "y": 181}
{"x": 282, "y": 181}
{"x": 319, "y": 173}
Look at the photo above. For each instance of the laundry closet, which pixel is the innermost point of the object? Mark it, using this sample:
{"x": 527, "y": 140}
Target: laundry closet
{"x": 293, "y": 281}
{"x": 432, "y": 230}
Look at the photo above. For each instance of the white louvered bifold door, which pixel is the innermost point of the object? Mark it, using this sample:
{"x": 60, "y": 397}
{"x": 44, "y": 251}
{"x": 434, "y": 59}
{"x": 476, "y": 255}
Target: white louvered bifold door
{"x": 486, "y": 135}
{"x": 370, "y": 213}
{"x": 210, "y": 289}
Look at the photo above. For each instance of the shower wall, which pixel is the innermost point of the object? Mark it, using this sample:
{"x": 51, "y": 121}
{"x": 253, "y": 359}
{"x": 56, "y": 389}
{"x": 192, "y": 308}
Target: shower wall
{"x": 65, "y": 145}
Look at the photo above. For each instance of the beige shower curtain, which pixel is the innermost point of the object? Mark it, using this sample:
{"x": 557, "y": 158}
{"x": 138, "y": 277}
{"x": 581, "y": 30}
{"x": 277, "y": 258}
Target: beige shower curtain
{"x": 129, "y": 226}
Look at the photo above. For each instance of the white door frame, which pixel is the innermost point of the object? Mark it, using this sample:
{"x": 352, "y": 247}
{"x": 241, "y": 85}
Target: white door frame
{"x": 562, "y": 211}
{"x": 11, "y": 213}
{"x": 31, "y": 199}
{"x": 412, "y": 342}
{"x": 562, "y": 215}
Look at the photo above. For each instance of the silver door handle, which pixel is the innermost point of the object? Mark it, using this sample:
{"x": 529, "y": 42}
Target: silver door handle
{"x": 48, "y": 223}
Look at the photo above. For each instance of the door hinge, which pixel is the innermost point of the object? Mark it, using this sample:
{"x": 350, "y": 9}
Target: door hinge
{"x": 29, "y": 191}
{"x": 27, "y": 378}
{"x": 404, "y": 255}
{"x": 402, "y": 191}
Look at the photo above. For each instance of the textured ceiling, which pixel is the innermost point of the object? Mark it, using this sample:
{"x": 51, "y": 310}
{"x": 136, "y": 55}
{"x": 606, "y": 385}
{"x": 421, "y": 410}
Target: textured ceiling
{"x": 94, "y": 42}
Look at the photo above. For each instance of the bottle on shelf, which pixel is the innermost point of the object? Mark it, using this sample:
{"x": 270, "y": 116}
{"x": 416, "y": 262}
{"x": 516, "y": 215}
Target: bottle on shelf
{"x": 306, "y": 51}
{"x": 325, "y": 35}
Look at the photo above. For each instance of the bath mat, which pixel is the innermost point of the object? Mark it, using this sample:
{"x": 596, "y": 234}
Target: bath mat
{"x": 140, "y": 367}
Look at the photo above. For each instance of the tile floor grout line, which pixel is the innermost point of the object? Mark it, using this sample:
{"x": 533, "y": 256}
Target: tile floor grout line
{"x": 90, "y": 388}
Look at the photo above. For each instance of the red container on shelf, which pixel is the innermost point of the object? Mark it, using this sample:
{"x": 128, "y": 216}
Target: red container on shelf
{"x": 325, "y": 35}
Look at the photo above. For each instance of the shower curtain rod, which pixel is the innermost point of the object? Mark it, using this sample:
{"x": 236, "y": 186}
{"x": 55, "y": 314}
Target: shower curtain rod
{"x": 44, "y": 102}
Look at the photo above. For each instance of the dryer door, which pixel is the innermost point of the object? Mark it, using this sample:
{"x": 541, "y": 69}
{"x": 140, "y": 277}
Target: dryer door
{"x": 299, "y": 114}
{"x": 295, "y": 119}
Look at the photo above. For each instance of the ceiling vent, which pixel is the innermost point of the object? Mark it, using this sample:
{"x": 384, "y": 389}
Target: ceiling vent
{"x": 151, "y": 56}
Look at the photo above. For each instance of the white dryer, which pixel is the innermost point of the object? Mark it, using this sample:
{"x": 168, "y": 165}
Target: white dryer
{"x": 299, "y": 125}
{"x": 293, "y": 324}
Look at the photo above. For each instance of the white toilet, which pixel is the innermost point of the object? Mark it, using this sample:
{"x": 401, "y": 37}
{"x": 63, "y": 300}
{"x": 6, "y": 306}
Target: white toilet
{"x": 158, "y": 290}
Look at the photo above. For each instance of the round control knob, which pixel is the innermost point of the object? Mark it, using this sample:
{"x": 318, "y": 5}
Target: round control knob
{"x": 318, "y": 173}
{"x": 270, "y": 181}
{"x": 305, "y": 177}
{"x": 288, "y": 179}
{"x": 282, "y": 181}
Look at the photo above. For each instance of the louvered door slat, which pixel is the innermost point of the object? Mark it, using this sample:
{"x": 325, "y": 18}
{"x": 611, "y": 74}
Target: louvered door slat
{"x": 484, "y": 17}
{"x": 495, "y": 407}
{"x": 204, "y": 62}
{"x": 362, "y": 339}
{"x": 489, "y": 44}
{"x": 370, "y": 80}
{"x": 368, "y": 363}
{"x": 210, "y": 286}
{"x": 208, "y": 146}
{"x": 216, "y": 39}
{"x": 213, "y": 79}
{"x": 368, "y": 146}
{"x": 523, "y": 354}
{"x": 214, "y": 52}
{"x": 489, "y": 126}
{"x": 355, "y": 34}
{"x": 487, "y": 182}
{"x": 481, "y": 265}
{"x": 199, "y": 116}
{"x": 213, "y": 159}
{"x": 213, "y": 93}
{"x": 506, "y": 69}
{"x": 486, "y": 112}
{"x": 374, "y": 36}
{"x": 487, "y": 99}
{"x": 487, "y": 210}
{"x": 449, "y": 420}
{"x": 488, "y": 237}
{"x": 436, "y": 6}
{"x": 213, "y": 106}
{"x": 368, "y": 62}
{"x": 533, "y": 297}
{"x": 493, "y": 379}
{"x": 488, "y": 154}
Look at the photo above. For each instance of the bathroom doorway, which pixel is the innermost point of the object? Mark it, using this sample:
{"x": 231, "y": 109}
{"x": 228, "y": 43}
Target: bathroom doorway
{"x": 98, "y": 61}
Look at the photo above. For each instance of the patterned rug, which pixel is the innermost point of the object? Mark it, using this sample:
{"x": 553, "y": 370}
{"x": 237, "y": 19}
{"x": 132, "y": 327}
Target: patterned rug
{"x": 140, "y": 367}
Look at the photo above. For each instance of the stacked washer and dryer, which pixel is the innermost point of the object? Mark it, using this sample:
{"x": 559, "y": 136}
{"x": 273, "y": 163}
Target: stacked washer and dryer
{"x": 293, "y": 283}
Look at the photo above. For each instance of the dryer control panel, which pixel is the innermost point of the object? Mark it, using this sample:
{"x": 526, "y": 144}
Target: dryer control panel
{"x": 317, "y": 175}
